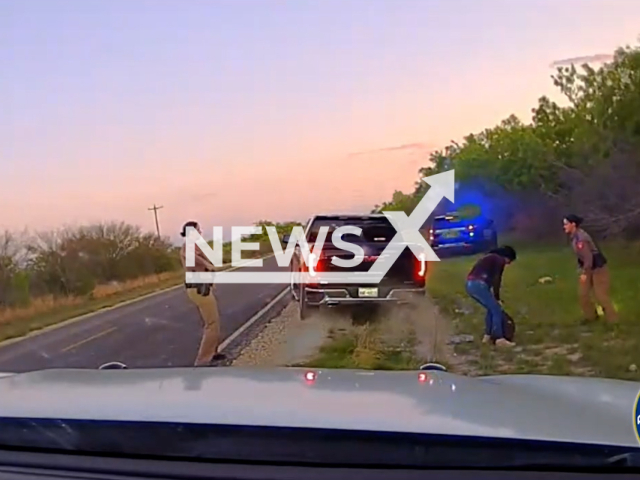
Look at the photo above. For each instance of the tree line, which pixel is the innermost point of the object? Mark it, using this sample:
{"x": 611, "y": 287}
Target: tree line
{"x": 74, "y": 261}
{"x": 582, "y": 156}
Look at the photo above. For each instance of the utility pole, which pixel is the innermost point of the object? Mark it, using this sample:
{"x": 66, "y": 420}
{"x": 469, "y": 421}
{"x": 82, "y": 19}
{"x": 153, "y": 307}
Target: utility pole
{"x": 155, "y": 214}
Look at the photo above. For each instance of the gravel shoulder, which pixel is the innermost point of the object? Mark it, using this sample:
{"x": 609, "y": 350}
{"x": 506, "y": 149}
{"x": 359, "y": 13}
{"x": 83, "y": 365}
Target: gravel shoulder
{"x": 286, "y": 340}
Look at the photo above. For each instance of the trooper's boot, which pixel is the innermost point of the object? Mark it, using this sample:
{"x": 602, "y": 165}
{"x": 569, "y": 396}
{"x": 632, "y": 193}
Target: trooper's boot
{"x": 589, "y": 320}
{"x": 218, "y": 359}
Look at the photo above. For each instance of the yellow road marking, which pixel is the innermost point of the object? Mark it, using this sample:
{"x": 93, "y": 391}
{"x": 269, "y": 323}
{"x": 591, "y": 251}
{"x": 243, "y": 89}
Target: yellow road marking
{"x": 93, "y": 337}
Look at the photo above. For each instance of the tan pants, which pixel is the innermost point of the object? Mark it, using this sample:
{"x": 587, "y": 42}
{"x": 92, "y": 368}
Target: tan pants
{"x": 598, "y": 284}
{"x": 208, "y": 308}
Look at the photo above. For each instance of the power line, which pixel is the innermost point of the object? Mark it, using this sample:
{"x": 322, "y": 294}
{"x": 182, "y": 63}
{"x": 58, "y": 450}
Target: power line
{"x": 155, "y": 214}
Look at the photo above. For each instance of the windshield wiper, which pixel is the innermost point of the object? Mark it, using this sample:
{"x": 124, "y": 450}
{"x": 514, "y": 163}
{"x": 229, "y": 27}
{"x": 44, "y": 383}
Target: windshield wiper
{"x": 631, "y": 459}
{"x": 622, "y": 462}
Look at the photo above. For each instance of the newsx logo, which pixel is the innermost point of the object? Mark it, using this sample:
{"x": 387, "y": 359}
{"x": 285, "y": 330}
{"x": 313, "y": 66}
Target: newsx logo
{"x": 407, "y": 236}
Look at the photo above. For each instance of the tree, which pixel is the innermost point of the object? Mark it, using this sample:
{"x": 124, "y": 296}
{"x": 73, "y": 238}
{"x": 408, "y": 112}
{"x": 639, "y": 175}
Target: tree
{"x": 583, "y": 156}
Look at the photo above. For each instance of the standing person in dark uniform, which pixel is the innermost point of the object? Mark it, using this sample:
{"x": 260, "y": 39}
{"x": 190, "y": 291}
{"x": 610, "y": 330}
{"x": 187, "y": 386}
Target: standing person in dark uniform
{"x": 594, "y": 273}
{"x": 483, "y": 285}
{"x": 203, "y": 296}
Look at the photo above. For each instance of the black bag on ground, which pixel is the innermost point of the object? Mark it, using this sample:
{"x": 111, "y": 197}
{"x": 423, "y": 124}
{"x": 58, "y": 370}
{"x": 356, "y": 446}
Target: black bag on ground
{"x": 508, "y": 326}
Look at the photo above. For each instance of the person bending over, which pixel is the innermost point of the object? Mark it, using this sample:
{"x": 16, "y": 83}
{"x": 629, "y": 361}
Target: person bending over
{"x": 483, "y": 285}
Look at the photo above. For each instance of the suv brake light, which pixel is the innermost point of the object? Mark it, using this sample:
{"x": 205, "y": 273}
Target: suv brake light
{"x": 420, "y": 268}
{"x": 316, "y": 264}
{"x": 313, "y": 263}
{"x": 422, "y": 265}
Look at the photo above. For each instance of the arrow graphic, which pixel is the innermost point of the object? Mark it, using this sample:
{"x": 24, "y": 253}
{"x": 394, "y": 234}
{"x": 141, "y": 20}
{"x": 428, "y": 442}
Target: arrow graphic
{"x": 407, "y": 236}
{"x": 408, "y": 228}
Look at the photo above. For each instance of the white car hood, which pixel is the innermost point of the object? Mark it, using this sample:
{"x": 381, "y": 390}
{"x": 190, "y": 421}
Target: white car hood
{"x": 584, "y": 410}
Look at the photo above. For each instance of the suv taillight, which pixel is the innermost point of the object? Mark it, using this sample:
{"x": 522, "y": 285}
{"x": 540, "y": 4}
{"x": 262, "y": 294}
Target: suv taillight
{"x": 422, "y": 265}
{"x": 420, "y": 271}
{"x": 316, "y": 266}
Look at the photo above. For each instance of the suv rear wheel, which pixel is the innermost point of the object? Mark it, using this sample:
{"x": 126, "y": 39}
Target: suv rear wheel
{"x": 302, "y": 302}
{"x": 306, "y": 310}
{"x": 293, "y": 286}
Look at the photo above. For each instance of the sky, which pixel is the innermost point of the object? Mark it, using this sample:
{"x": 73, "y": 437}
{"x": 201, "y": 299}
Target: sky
{"x": 233, "y": 111}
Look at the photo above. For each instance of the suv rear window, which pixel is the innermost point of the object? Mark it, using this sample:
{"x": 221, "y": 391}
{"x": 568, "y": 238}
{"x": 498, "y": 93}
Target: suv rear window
{"x": 374, "y": 229}
{"x": 445, "y": 220}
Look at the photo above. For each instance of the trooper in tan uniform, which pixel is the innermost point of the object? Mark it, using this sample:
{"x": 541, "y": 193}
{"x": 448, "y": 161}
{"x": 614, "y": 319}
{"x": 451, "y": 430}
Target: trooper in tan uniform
{"x": 203, "y": 296}
{"x": 594, "y": 273}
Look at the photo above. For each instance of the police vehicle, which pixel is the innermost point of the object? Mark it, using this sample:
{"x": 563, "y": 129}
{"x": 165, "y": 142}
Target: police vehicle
{"x": 454, "y": 232}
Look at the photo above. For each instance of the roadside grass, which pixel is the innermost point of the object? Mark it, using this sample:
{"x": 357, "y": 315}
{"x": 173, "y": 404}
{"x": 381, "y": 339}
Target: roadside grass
{"x": 394, "y": 338}
{"x": 364, "y": 348}
{"x": 46, "y": 311}
{"x": 549, "y": 336}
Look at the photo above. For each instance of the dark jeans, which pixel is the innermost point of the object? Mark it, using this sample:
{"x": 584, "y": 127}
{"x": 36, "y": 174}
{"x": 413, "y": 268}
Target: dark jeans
{"x": 481, "y": 293}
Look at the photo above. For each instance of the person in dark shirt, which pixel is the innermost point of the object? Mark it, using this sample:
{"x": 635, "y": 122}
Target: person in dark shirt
{"x": 483, "y": 285}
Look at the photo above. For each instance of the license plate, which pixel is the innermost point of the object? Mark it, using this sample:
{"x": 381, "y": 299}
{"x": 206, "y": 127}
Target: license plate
{"x": 451, "y": 234}
{"x": 367, "y": 292}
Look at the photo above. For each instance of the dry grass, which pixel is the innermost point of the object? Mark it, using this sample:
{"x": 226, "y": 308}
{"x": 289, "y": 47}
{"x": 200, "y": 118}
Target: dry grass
{"x": 102, "y": 291}
{"x": 46, "y": 311}
{"x": 46, "y": 304}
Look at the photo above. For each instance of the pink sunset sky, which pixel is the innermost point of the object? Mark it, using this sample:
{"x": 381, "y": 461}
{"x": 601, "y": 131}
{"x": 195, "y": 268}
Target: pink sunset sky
{"x": 232, "y": 111}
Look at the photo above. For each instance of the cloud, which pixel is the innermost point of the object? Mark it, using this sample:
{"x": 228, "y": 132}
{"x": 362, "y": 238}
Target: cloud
{"x": 597, "y": 58}
{"x": 204, "y": 196}
{"x": 406, "y": 147}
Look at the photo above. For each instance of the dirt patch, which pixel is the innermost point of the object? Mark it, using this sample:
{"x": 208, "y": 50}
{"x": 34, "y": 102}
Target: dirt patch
{"x": 421, "y": 321}
{"x": 392, "y": 338}
{"x": 397, "y": 338}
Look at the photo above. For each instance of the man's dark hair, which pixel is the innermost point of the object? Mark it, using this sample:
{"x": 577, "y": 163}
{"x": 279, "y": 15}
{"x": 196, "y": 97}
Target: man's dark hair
{"x": 505, "y": 251}
{"x": 190, "y": 223}
{"x": 573, "y": 218}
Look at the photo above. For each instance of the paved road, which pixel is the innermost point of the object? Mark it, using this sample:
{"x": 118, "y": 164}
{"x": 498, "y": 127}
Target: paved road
{"x": 159, "y": 331}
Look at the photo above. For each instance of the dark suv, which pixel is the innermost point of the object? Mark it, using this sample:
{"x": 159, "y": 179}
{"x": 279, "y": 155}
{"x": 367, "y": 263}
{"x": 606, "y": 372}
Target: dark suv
{"x": 405, "y": 279}
{"x": 455, "y": 233}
